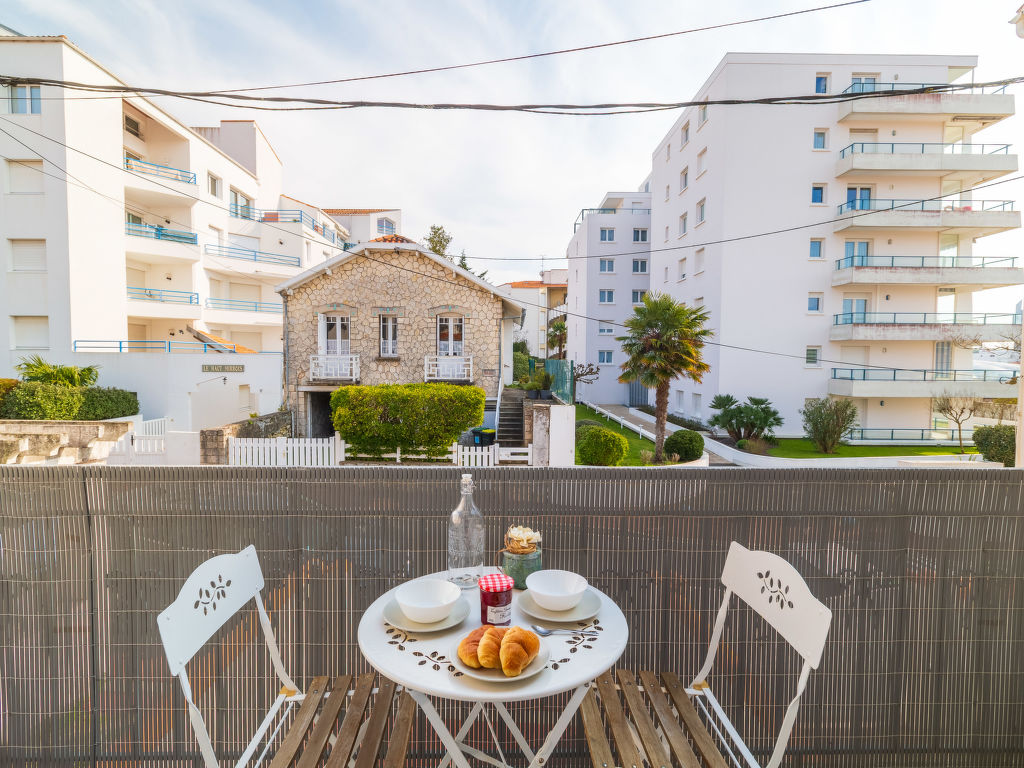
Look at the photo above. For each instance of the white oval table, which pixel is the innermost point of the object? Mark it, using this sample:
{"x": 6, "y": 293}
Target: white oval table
{"x": 421, "y": 662}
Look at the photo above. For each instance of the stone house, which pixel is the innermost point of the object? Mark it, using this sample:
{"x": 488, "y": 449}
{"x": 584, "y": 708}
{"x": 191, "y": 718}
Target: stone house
{"x": 389, "y": 311}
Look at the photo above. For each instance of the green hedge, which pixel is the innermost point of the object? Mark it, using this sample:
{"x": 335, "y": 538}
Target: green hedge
{"x": 686, "y": 443}
{"x": 600, "y": 446}
{"x": 671, "y": 418}
{"x": 53, "y": 402}
{"x": 418, "y": 418}
{"x": 997, "y": 442}
{"x": 520, "y": 366}
{"x": 6, "y": 385}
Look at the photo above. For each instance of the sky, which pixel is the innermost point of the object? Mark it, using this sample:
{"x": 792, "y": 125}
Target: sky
{"x": 507, "y": 186}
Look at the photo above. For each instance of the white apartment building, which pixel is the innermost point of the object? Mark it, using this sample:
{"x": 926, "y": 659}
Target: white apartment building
{"x": 365, "y": 224}
{"x": 124, "y": 232}
{"x": 609, "y": 273}
{"x": 866, "y": 286}
{"x": 545, "y": 303}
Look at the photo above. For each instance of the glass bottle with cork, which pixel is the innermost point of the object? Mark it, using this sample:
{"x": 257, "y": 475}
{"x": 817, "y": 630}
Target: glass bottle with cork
{"x": 466, "y": 539}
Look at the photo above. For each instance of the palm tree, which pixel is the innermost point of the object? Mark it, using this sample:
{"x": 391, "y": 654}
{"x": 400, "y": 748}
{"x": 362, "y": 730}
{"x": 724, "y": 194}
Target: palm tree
{"x": 557, "y": 336}
{"x": 34, "y": 368}
{"x": 665, "y": 340}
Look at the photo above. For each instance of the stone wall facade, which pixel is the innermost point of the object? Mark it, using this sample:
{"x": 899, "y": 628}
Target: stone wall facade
{"x": 364, "y": 288}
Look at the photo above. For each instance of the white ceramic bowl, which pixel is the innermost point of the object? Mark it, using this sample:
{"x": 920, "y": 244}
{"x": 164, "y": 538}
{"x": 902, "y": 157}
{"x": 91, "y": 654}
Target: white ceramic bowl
{"x": 556, "y": 590}
{"x": 427, "y": 600}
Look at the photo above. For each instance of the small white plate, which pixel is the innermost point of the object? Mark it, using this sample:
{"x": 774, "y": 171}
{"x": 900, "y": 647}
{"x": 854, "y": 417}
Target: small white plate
{"x": 496, "y": 675}
{"x": 587, "y": 608}
{"x": 394, "y": 616}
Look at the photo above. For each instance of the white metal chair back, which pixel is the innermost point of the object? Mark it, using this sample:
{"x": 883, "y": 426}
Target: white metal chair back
{"x": 215, "y": 592}
{"x": 777, "y": 592}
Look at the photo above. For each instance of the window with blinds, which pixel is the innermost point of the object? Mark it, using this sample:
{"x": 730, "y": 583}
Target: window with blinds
{"x": 28, "y": 255}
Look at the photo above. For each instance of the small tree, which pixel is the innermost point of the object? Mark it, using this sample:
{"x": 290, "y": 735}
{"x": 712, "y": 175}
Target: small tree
{"x": 957, "y": 409}
{"x": 35, "y": 368}
{"x": 557, "y": 336}
{"x": 826, "y": 421}
{"x": 754, "y": 419}
{"x": 438, "y": 240}
{"x": 585, "y": 373}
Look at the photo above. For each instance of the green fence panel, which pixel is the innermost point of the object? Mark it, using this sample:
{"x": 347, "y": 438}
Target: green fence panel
{"x": 562, "y": 382}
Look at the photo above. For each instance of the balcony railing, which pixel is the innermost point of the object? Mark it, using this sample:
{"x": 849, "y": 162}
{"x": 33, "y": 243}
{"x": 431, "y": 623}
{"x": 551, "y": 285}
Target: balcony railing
{"x": 922, "y": 148}
{"x": 911, "y": 262}
{"x": 902, "y": 374}
{"x": 243, "y": 306}
{"x": 903, "y": 435}
{"x": 161, "y": 233}
{"x": 940, "y": 87}
{"x": 284, "y": 216}
{"x": 147, "y": 345}
{"x": 934, "y": 206}
{"x": 927, "y": 318}
{"x": 592, "y": 211}
{"x": 164, "y": 296}
{"x": 233, "y": 252}
{"x": 335, "y": 367}
{"x": 163, "y": 171}
{"x": 447, "y": 368}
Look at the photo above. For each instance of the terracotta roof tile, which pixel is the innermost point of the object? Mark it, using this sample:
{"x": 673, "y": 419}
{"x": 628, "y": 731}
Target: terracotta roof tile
{"x": 392, "y": 239}
{"x": 354, "y": 211}
{"x": 536, "y": 284}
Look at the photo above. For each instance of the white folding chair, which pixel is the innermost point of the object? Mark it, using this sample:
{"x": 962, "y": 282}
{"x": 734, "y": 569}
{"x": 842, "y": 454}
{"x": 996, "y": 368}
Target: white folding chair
{"x": 774, "y": 589}
{"x": 215, "y": 592}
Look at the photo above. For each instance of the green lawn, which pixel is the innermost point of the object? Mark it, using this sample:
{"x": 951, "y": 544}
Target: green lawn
{"x": 800, "y": 448}
{"x": 636, "y": 443}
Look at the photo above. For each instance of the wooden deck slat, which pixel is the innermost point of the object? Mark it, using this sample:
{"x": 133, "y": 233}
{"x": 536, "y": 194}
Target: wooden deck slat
{"x": 297, "y": 732}
{"x": 657, "y": 756}
{"x": 379, "y": 713}
{"x": 346, "y": 740}
{"x": 593, "y": 727}
{"x": 691, "y": 719}
{"x": 314, "y": 750}
{"x": 629, "y": 755}
{"x": 398, "y": 744}
{"x": 674, "y": 735}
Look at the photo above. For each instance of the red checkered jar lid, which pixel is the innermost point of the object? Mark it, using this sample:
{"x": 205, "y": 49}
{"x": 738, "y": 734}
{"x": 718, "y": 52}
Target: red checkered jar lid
{"x": 496, "y": 582}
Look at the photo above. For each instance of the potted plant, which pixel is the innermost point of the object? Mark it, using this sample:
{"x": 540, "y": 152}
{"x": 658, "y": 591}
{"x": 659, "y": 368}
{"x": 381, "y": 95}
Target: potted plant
{"x": 532, "y": 390}
{"x": 545, "y": 385}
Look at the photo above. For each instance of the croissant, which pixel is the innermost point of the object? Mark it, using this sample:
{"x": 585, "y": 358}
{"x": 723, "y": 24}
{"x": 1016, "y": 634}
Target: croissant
{"x": 518, "y": 648}
{"x": 468, "y": 647}
{"x": 488, "y": 651}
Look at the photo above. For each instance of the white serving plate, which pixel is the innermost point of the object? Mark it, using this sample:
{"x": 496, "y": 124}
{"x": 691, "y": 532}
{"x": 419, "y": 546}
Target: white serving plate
{"x": 394, "y": 616}
{"x": 587, "y": 608}
{"x": 496, "y": 675}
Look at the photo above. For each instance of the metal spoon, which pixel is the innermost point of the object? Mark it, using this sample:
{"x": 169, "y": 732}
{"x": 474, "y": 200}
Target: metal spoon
{"x": 543, "y": 632}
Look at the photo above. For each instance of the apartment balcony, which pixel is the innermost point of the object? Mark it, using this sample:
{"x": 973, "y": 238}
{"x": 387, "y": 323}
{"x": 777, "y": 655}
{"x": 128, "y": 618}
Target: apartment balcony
{"x": 240, "y": 312}
{"x": 161, "y": 171}
{"x": 252, "y": 262}
{"x": 557, "y": 313}
{"x": 609, "y": 211}
{"x": 447, "y": 368}
{"x": 150, "y": 345}
{"x": 286, "y": 216}
{"x": 972, "y": 162}
{"x": 154, "y": 302}
{"x": 974, "y": 218}
{"x": 334, "y": 367}
{"x": 975, "y": 107}
{"x": 924, "y": 326}
{"x": 898, "y": 382}
{"x": 159, "y": 244}
{"x": 908, "y": 435}
{"x": 978, "y": 272}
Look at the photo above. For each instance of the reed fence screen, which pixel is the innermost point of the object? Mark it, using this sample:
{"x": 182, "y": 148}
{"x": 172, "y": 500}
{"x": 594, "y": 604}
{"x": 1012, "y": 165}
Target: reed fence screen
{"x": 922, "y": 569}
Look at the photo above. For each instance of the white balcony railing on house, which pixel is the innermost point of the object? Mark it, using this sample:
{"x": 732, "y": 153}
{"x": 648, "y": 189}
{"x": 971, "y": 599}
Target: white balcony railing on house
{"x": 334, "y": 367}
{"x": 447, "y": 368}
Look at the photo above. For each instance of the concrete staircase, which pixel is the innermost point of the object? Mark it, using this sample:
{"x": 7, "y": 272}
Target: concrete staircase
{"x": 510, "y": 421}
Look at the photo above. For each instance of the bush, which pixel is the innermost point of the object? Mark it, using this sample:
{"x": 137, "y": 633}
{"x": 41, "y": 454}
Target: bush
{"x": 997, "y": 442}
{"x": 826, "y": 421}
{"x": 34, "y": 400}
{"x": 107, "y": 403}
{"x": 521, "y": 348}
{"x": 6, "y": 385}
{"x": 601, "y": 447}
{"x": 520, "y": 366}
{"x": 756, "y": 445}
{"x": 679, "y": 421}
{"x": 742, "y": 421}
{"x": 588, "y": 423}
{"x": 417, "y": 418}
{"x": 686, "y": 443}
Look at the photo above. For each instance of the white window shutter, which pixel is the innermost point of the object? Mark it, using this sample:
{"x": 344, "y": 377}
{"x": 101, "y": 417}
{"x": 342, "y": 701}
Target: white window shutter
{"x": 28, "y": 255}
{"x": 321, "y": 333}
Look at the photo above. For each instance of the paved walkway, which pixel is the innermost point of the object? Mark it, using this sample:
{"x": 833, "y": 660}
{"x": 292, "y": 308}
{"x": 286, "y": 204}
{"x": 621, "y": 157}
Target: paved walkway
{"x": 623, "y": 411}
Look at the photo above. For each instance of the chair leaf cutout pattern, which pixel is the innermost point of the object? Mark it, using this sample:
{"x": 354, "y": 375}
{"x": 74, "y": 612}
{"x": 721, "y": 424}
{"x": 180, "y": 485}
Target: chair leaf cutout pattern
{"x": 777, "y": 593}
{"x": 208, "y": 596}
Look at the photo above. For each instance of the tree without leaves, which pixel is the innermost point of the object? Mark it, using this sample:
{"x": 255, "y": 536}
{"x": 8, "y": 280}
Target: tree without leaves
{"x": 826, "y": 421}
{"x": 665, "y": 340}
{"x": 957, "y": 409}
{"x": 585, "y": 373}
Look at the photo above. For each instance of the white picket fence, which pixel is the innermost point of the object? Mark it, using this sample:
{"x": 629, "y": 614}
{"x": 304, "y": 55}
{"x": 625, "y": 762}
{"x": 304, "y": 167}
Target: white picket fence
{"x": 136, "y": 448}
{"x": 474, "y": 455}
{"x": 516, "y": 455}
{"x": 153, "y": 427}
{"x": 285, "y": 451}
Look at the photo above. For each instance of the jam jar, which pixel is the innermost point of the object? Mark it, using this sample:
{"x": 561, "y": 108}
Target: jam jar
{"x": 496, "y": 599}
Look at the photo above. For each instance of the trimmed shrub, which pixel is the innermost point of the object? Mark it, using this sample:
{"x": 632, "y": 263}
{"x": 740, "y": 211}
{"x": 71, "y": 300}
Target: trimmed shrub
{"x": 601, "y": 447}
{"x": 997, "y": 443}
{"x": 686, "y": 443}
{"x": 587, "y": 423}
{"x": 418, "y": 418}
{"x": 34, "y": 400}
{"x": 520, "y": 366}
{"x": 107, "y": 403}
